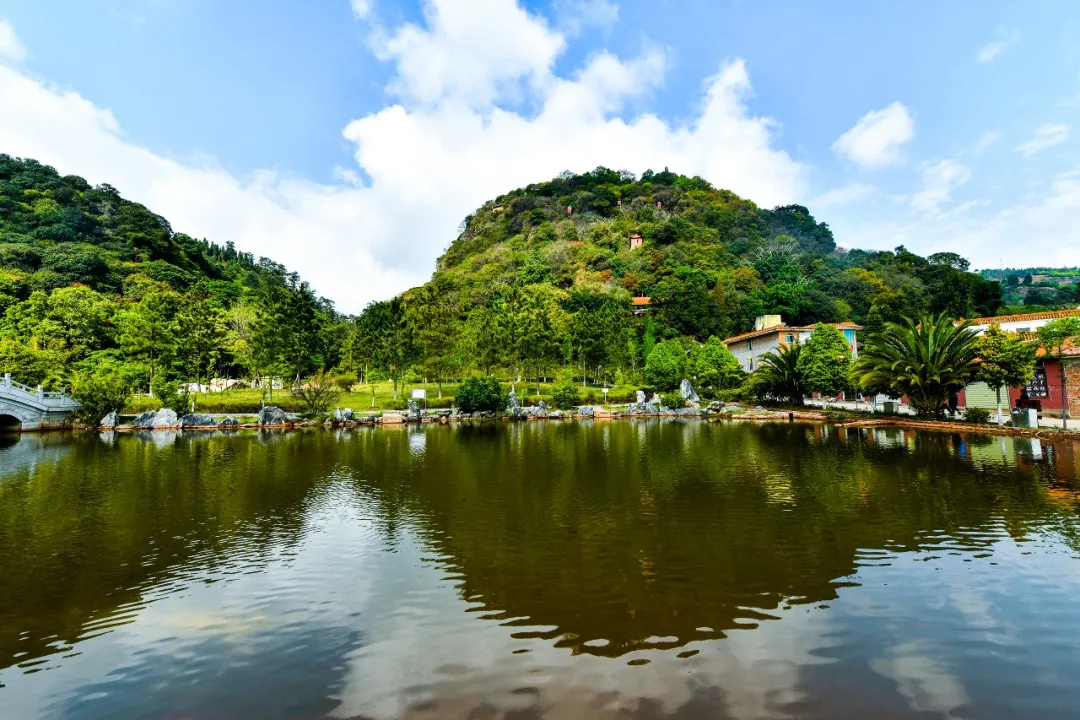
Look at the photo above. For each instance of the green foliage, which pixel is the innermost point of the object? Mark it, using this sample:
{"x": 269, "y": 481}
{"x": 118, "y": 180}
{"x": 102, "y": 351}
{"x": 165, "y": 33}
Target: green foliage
{"x": 1005, "y": 360}
{"x": 716, "y": 368}
{"x": 480, "y": 393}
{"x": 663, "y": 367}
{"x": 925, "y": 360}
{"x": 172, "y": 396}
{"x": 318, "y": 394}
{"x": 777, "y": 377}
{"x": 977, "y": 415}
{"x": 672, "y": 400}
{"x": 565, "y": 393}
{"x": 824, "y": 361}
{"x": 100, "y": 391}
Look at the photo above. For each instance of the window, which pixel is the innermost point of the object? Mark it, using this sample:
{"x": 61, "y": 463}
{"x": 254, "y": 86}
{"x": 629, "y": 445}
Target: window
{"x": 790, "y": 339}
{"x": 751, "y": 364}
{"x": 751, "y": 344}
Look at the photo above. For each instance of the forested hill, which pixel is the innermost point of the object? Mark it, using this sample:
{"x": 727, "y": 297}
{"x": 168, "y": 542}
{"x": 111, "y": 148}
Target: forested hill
{"x": 56, "y": 231}
{"x": 89, "y": 279}
{"x": 709, "y": 260}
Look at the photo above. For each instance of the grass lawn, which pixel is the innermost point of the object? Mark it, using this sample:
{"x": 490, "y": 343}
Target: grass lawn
{"x": 360, "y": 399}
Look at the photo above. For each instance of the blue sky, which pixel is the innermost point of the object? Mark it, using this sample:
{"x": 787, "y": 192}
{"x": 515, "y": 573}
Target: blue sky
{"x": 966, "y": 140}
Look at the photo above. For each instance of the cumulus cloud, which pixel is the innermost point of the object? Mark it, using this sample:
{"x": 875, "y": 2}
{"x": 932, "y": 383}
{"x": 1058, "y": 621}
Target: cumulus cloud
{"x": 878, "y": 137}
{"x": 1047, "y": 135}
{"x": 450, "y": 143}
{"x": 1006, "y": 39}
{"x": 939, "y": 180}
{"x": 573, "y": 16}
{"x": 362, "y": 8}
{"x": 10, "y": 47}
{"x": 845, "y": 195}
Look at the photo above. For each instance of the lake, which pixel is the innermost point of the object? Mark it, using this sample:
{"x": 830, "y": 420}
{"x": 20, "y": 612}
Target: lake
{"x": 631, "y": 569}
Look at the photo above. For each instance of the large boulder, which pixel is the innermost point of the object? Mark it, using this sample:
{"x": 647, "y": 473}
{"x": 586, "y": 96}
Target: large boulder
{"x": 346, "y": 415}
{"x": 145, "y": 420}
{"x": 197, "y": 420}
{"x": 585, "y": 411}
{"x": 165, "y": 418}
{"x": 687, "y": 391}
{"x": 271, "y": 415}
{"x": 543, "y": 406}
{"x": 640, "y": 400}
{"x": 512, "y": 404}
{"x": 110, "y": 421}
{"x": 414, "y": 410}
{"x": 229, "y": 422}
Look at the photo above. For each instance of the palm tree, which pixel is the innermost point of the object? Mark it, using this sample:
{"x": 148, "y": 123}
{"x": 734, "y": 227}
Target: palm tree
{"x": 778, "y": 377}
{"x": 925, "y": 361}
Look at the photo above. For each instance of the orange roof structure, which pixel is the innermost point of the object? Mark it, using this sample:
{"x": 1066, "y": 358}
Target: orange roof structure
{"x": 781, "y": 328}
{"x": 640, "y": 301}
{"x": 1048, "y": 315}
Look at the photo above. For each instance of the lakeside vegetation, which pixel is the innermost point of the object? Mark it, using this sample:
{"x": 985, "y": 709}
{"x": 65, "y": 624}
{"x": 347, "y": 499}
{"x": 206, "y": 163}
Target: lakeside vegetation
{"x": 99, "y": 295}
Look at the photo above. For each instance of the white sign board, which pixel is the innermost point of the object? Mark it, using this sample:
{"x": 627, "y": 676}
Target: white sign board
{"x": 419, "y": 394}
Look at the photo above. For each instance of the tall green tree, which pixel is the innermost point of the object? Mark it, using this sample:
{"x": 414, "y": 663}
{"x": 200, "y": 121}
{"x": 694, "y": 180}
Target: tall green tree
{"x": 1006, "y": 360}
{"x": 1054, "y": 337}
{"x": 825, "y": 361}
{"x": 925, "y": 360}
{"x": 777, "y": 375}
{"x": 432, "y": 318}
{"x": 539, "y": 320}
{"x": 716, "y": 367}
{"x": 146, "y": 330}
{"x": 200, "y": 336}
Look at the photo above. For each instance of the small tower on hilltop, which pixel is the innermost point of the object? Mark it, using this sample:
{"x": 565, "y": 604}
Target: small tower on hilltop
{"x": 635, "y": 241}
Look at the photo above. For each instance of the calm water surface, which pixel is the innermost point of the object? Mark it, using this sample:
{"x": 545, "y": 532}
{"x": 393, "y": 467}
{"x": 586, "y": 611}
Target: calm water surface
{"x": 621, "y": 570}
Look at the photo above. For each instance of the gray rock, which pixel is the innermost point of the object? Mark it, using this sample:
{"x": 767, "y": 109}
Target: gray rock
{"x": 229, "y": 422}
{"x": 271, "y": 415}
{"x": 110, "y": 421}
{"x": 346, "y": 415}
{"x": 732, "y": 409}
{"x": 543, "y": 406}
{"x": 687, "y": 391}
{"x": 414, "y": 410}
{"x": 512, "y": 403}
{"x": 585, "y": 411}
{"x": 145, "y": 420}
{"x": 165, "y": 418}
{"x": 555, "y": 414}
{"x": 366, "y": 420}
{"x": 197, "y": 420}
{"x": 640, "y": 397}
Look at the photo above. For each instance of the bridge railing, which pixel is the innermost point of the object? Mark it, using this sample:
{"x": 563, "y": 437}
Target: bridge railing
{"x": 48, "y": 398}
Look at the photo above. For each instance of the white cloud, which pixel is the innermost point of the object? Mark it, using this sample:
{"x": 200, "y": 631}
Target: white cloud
{"x": 573, "y": 16}
{"x": 1012, "y": 235}
{"x": 362, "y": 8}
{"x": 473, "y": 52}
{"x": 844, "y": 195}
{"x": 424, "y": 164}
{"x": 1006, "y": 39}
{"x": 939, "y": 180}
{"x": 987, "y": 139}
{"x": 10, "y": 47}
{"x": 1046, "y": 136}
{"x": 878, "y": 137}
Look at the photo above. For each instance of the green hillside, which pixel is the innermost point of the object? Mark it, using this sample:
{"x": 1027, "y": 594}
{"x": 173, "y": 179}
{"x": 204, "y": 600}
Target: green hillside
{"x": 711, "y": 260}
{"x": 89, "y": 279}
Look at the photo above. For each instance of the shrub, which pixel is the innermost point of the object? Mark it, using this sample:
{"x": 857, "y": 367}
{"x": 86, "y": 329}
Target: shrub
{"x": 672, "y": 400}
{"x": 663, "y": 367}
{"x": 976, "y": 415}
{"x": 481, "y": 393}
{"x": 345, "y": 381}
{"x": 565, "y": 394}
{"x": 100, "y": 391}
{"x": 172, "y": 396}
{"x": 396, "y": 404}
{"x": 742, "y": 394}
{"x": 318, "y": 395}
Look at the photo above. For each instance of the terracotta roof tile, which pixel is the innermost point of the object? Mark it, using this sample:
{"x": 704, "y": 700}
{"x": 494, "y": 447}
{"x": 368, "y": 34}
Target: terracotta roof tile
{"x": 782, "y": 328}
{"x": 1049, "y": 315}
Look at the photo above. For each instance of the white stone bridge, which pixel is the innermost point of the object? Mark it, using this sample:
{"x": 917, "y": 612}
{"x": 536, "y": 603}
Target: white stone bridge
{"x": 27, "y": 408}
